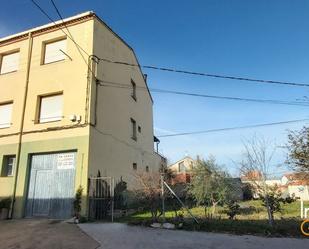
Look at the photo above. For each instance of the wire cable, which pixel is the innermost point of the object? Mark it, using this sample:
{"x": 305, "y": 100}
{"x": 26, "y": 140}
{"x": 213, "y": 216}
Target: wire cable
{"x": 191, "y": 94}
{"x": 52, "y": 20}
{"x": 234, "y": 128}
{"x": 173, "y": 70}
{"x": 79, "y": 48}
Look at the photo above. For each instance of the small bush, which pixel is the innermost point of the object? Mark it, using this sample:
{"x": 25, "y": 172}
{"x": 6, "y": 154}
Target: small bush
{"x": 233, "y": 209}
{"x": 78, "y": 201}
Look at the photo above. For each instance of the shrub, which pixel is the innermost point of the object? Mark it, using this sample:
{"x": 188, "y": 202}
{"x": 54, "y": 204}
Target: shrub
{"x": 233, "y": 209}
{"x": 78, "y": 201}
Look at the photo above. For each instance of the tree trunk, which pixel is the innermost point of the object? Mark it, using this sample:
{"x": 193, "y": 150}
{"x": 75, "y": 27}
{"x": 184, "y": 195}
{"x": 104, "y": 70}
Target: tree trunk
{"x": 270, "y": 215}
{"x": 214, "y": 204}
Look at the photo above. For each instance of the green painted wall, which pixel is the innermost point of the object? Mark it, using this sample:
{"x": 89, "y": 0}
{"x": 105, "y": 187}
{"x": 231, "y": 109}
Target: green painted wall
{"x": 6, "y": 183}
{"x": 79, "y": 144}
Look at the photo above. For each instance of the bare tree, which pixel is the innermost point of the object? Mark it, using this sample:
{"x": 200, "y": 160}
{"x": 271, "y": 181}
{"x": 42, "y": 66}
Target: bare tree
{"x": 258, "y": 155}
{"x": 148, "y": 191}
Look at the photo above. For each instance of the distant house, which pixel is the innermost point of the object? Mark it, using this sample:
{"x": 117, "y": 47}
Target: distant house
{"x": 254, "y": 179}
{"x": 292, "y": 184}
{"x": 251, "y": 176}
{"x": 184, "y": 165}
{"x": 296, "y": 184}
{"x": 182, "y": 170}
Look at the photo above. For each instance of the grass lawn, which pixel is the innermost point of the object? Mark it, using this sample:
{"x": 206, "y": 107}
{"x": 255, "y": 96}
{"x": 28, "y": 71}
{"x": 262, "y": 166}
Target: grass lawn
{"x": 251, "y": 220}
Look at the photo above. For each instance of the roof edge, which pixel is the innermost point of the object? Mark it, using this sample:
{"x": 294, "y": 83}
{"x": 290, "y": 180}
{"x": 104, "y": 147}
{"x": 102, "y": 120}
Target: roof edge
{"x": 42, "y": 28}
{"x": 47, "y": 26}
{"x": 181, "y": 160}
{"x": 125, "y": 43}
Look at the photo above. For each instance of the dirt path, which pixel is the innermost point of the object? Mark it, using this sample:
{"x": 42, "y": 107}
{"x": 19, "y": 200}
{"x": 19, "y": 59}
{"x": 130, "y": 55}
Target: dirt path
{"x": 43, "y": 234}
{"x": 120, "y": 236}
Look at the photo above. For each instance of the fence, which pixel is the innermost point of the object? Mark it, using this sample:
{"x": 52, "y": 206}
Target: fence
{"x": 101, "y": 198}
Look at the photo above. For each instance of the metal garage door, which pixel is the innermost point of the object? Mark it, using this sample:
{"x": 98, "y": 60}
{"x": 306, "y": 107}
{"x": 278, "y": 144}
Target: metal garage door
{"x": 51, "y": 185}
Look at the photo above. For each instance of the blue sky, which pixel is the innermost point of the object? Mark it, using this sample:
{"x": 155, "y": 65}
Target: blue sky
{"x": 257, "y": 39}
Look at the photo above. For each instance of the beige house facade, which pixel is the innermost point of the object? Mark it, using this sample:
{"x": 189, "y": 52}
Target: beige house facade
{"x": 66, "y": 114}
{"x": 184, "y": 165}
{"x": 296, "y": 185}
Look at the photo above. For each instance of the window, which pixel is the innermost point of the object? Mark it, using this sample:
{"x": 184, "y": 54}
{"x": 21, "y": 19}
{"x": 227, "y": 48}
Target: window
{"x": 55, "y": 51}
{"x": 147, "y": 168}
{"x": 9, "y": 62}
{"x": 133, "y": 124}
{"x": 133, "y": 95}
{"x": 134, "y": 166}
{"x": 8, "y": 165}
{"x": 181, "y": 167}
{"x": 5, "y": 115}
{"x": 139, "y": 129}
{"x": 50, "y": 108}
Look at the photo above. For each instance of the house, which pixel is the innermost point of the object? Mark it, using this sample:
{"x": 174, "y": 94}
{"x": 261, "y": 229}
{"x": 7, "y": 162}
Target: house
{"x": 67, "y": 115}
{"x": 184, "y": 165}
{"x": 296, "y": 185}
{"x": 181, "y": 170}
{"x": 292, "y": 184}
{"x": 253, "y": 180}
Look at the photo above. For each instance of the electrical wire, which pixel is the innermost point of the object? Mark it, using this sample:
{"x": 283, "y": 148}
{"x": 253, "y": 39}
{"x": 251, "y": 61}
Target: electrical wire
{"x": 234, "y": 128}
{"x": 192, "y": 73}
{"x": 48, "y": 16}
{"x": 173, "y": 70}
{"x": 79, "y": 48}
{"x": 191, "y": 94}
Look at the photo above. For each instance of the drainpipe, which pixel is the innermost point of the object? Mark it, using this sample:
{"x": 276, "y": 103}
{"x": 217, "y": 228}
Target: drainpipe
{"x": 22, "y": 121}
{"x": 93, "y": 62}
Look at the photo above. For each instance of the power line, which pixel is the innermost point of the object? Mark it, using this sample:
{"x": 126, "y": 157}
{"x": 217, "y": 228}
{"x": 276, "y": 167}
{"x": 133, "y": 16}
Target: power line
{"x": 70, "y": 34}
{"x": 234, "y": 128}
{"x": 191, "y": 94}
{"x": 165, "y": 68}
{"x": 52, "y": 20}
{"x": 173, "y": 70}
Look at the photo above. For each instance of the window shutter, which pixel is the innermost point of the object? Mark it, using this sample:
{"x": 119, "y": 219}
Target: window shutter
{"x": 9, "y": 63}
{"x": 51, "y": 108}
{"x": 53, "y": 51}
{"x": 5, "y": 115}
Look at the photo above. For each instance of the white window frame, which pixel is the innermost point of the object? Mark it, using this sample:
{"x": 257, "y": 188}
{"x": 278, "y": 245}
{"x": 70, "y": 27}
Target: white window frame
{"x": 7, "y": 164}
{"x": 9, "y": 68}
{"x": 58, "y": 55}
{"x": 8, "y": 120}
{"x": 49, "y": 118}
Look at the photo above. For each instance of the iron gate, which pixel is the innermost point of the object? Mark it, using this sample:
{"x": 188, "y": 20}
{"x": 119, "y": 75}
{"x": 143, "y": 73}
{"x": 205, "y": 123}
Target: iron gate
{"x": 101, "y": 198}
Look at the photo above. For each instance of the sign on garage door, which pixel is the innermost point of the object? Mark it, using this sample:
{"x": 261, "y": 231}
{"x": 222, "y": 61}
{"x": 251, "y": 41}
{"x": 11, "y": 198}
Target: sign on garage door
{"x": 51, "y": 185}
